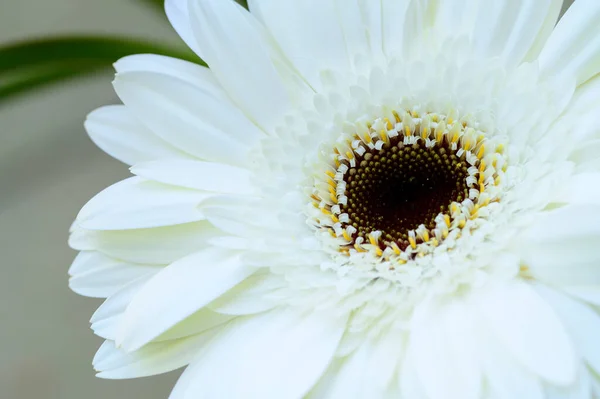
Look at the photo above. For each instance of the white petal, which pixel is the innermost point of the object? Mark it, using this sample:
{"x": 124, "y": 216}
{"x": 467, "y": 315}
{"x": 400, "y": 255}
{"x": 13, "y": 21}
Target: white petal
{"x": 108, "y": 317}
{"x": 105, "y": 321}
{"x": 279, "y": 354}
{"x": 580, "y": 189}
{"x": 242, "y": 58}
{"x": 309, "y": 33}
{"x": 456, "y": 18}
{"x": 177, "y": 12}
{"x": 582, "y": 389}
{"x": 367, "y": 373}
{"x": 573, "y": 49}
{"x": 506, "y": 378}
{"x": 177, "y": 292}
{"x": 254, "y": 295}
{"x": 157, "y": 246}
{"x": 409, "y": 381}
{"x": 136, "y": 203}
{"x": 155, "y": 358}
{"x": 202, "y": 320}
{"x": 446, "y": 361}
{"x": 189, "y": 117}
{"x": 362, "y": 24}
{"x": 116, "y": 131}
{"x": 198, "y": 175}
{"x": 582, "y": 323}
{"x": 562, "y": 247}
{"x": 585, "y": 155}
{"x": 586, "y": 98}
{"x": 196, "y": 75}
{"x": 511, "y": 28}
{"x": 243, "y": 216}
{"x": 586, "y": 293}
{"x": 529, "y": 330}
{"x": 403, "y": 22}
{"x": 96, "y": 275}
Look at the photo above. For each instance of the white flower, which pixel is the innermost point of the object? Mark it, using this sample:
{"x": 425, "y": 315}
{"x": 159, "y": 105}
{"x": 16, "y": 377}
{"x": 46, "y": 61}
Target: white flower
{"x": 360, "y": 199}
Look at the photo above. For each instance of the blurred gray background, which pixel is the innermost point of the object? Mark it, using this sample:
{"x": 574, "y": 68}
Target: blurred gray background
{"x": 48, "y": 170}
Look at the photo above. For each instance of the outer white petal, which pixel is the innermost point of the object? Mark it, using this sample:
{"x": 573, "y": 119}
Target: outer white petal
{"x": 586, "y": 293}
{"x": 177, "y": 12}
{"x": 316, "y": 34}
{"x": 177, "y": 292}
{"x": 582, "y": 323}
{"x": 198, "y": 175}
{"x": 581, "y": 189}
{"x": 529, "y": 330}
{"x": 242, "y": 58}
{"x": 116, "y": 131}
{"x": 573, "y": 49}
{"x": 203, "y": 320}
{"x": 446, "y": 360}
{"x": 586, "y": 157}
{"x": 197, "y": 75}
{"x": 506, "y": 378}
{"x": 562, "y": 247}
{"x": 96, "y": 275}
{"x": 582, "y": 389}
{"x": 511, "y": 28}
{"x": 105, "y": 321}
{"x": 109, "y": 316}
{"x": 155, "y": 358}
{"x": 456, "y": 18}
{"x": 254, "y": 295}
{"x": 156, "y": 246}
{"x": 586, "y": 98}
{"x": 241, "y": 216}
{"x": 136, "y": 203}
{"x": 369, "y": 372}
{"x": 397, "y": 26}
{"x": 409, "y": 382}
{"x": 279, "y": 354}
{"x": 189, "y": 117}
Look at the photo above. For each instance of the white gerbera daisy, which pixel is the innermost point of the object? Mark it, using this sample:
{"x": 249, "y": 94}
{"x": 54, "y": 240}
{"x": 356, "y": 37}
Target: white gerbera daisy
{"x": 360, "y": 199}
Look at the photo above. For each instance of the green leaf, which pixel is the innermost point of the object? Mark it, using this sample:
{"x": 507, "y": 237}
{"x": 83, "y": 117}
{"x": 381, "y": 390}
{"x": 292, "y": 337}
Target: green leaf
{"x": 243, "y": 3}
{"x": 28, "y": 65}
{"x": 159, "y": 5}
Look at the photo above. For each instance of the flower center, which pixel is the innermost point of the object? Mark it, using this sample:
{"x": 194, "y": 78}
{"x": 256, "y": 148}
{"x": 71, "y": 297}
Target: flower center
{"x": 398, "y": 188}
{"x": 402, "y": 186}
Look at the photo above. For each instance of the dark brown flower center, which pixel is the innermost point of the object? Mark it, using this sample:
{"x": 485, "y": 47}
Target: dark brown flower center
{"x": 398, "y": 188}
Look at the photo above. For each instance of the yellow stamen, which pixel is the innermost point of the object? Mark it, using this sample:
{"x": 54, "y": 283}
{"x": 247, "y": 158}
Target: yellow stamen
{"x": 481, "y": 151}
{"x": 413, "y": 242}
{"x": 358, "y": 248}
{"x": 388, "y": 124}
{"x": 383, "y": 135}
{"x": 372, "y": 240}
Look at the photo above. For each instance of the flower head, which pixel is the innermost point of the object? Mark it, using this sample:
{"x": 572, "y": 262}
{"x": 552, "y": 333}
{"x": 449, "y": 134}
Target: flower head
{"x": 360, "y": 199}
